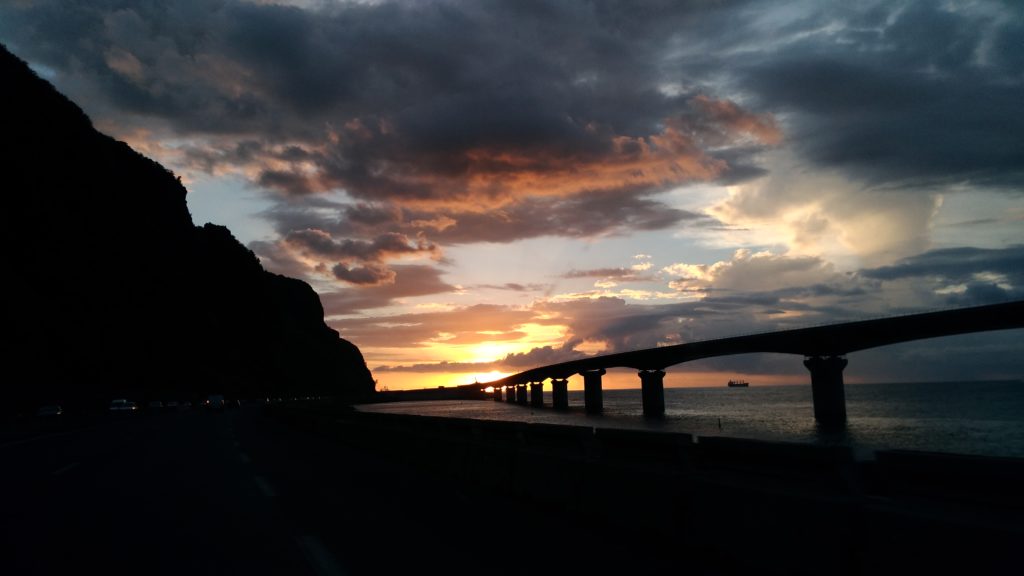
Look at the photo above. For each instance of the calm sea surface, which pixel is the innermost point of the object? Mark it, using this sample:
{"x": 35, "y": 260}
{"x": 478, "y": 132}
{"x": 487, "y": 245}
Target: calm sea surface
{"x": 959, "y": 417}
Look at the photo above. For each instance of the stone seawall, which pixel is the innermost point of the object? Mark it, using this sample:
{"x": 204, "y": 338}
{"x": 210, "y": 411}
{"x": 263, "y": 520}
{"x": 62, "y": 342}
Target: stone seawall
{"x": 774, "y": 508}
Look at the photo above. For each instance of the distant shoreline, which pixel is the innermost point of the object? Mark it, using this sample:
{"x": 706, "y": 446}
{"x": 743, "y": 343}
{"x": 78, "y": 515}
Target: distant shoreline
{"x": 754, "y": 384}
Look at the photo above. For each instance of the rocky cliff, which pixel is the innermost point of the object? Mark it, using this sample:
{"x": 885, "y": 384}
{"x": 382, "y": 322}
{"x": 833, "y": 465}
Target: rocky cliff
{"x": 111, "y": 290}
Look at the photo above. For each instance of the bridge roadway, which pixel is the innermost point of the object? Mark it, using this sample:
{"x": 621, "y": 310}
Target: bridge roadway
{"x": 824, "y": 349}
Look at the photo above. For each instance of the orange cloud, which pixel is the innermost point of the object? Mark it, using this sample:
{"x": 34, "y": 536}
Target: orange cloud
{"x": 727, "y": 114}
{"x": 370, "y": 163}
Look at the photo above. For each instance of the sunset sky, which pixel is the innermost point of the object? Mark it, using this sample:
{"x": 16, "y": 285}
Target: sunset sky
{"x": 476, "y": 188}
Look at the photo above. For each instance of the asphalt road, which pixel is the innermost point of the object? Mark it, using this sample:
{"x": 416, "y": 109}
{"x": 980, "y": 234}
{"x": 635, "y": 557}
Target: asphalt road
{"x": 230, "y": 493}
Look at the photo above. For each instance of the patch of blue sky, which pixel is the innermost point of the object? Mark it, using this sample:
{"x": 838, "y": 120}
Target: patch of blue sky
{"x": 229, "y": 201}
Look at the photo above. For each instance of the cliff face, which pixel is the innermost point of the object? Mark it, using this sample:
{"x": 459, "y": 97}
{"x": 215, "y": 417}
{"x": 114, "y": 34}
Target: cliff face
{"x": 111, "y": 290}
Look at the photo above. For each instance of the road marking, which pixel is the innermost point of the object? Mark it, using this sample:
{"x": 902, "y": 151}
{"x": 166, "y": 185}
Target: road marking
{"x": 319, "y": 557}
{"x": 245, "y": 459}
{"x": 60, "y": 471}
{"x": 265, "y": 487}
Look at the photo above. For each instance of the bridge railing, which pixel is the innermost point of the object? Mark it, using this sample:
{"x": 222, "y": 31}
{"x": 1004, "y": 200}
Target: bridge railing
{"x": 572, "y": 366}
{"x": 848, "y": 320}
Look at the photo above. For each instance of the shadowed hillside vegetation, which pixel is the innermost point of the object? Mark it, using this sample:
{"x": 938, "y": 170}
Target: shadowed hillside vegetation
{"x": 111, "y": 291}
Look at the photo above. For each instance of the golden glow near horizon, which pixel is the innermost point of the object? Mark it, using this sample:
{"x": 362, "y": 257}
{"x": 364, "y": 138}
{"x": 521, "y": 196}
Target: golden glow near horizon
{"x": 490, "y": 351}
{"x": 416, "y": 380}
{"x": 452, "y": 361}
{"x": 491, "y": 376}
{"x": 615, "y": 379}
{"x": 444, "y": 350}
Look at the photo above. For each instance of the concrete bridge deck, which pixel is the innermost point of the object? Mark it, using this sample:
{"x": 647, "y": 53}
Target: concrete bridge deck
{"x": 823, "y": 347}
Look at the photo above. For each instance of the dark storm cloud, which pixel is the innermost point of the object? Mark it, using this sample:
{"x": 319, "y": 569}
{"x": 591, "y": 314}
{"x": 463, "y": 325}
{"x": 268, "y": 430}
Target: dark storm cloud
{"x": 392, "y": 129}
{"x": 452, "y": 75}
{"x": 408, "y": 280}
{"x": 903, "y": 95}
{"x": 582, "y": 215}
{"x": 984, "y": 276}
{"x": 314, "y": 213}
{"x": 386, "y": 245}
{"x": 370, "y": 274}
{"x": 361, "y": 262}
{"x": 347, "y": 240}
{"x": 437, "y": 102}
{"x": 295, "y": 183}
{"x": 957, "y": 264}
{"x": 408, "y": 100}
{"x": 275, "y": 258}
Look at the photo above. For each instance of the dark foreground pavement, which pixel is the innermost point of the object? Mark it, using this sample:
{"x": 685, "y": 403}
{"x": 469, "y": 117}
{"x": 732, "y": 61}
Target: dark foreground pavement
{"x": 311, "y": 491}
{"x": 229, "y": 493}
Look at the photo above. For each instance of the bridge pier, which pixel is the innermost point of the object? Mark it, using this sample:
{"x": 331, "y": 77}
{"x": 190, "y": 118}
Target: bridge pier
{"x": 592, "y": 399}
{"x": 560, "y": 393}
{"x": 497, "y": 394}
{"x": 521, "y": 397}
{"x": 537, "y": 394}
{"x": 510, "y": 393}
{"x": 827, "y": 389}
{"x": 652, "y": 391}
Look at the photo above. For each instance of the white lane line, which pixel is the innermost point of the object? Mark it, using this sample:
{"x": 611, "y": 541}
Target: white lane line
{"x": 60, "y": 471}
{"x": 265, "y": 487}
{"x": 319, "y": 557}
{"x": 243, "y": 458}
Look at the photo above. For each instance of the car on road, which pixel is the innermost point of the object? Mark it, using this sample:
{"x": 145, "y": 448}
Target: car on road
{"x": 49, "y": 411}
{"x": 214, "y": 402}
{"x": 123, "y": 405}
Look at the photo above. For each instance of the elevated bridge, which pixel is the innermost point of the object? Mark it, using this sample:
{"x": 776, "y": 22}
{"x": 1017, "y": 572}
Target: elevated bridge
{"x": 824, "y": 349}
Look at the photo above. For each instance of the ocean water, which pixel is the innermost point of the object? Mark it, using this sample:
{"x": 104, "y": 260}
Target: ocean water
{"x": 985, "y": 418}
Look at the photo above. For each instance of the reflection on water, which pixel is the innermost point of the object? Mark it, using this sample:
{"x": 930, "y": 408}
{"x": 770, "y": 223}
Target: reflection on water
{"x": 961, "y": 417}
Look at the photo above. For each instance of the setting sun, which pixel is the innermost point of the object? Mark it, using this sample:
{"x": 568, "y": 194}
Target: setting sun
{"x": 489, "y": 377}
{"x": 491, "y": 351}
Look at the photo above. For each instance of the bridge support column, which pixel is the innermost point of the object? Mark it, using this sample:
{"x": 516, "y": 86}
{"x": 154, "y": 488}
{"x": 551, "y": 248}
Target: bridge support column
{"x": 560, "y": 393}
{"x": 521, "y": 397}
{"x": 592, "y": 399}
{"x": 652, "y": 391}
{"x": 497, "y": 394}
{"x": 537, "y": 394}
{"x": 510, "y": 393}
{"x": 827, "y": 390}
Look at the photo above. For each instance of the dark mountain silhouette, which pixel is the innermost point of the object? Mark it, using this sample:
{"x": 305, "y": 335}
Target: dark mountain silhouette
{"x": 110, "y": 290}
